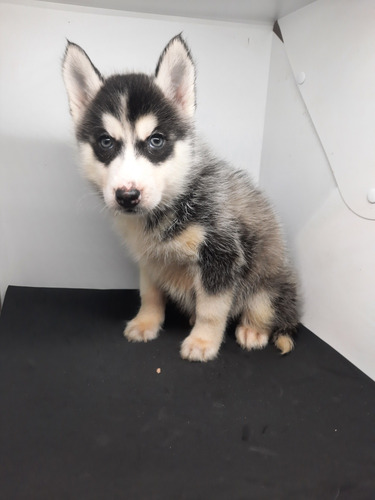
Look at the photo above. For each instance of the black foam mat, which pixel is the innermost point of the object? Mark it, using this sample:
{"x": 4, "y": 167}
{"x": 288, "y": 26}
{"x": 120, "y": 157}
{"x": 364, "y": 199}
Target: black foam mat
{"x": 87, "y": 415}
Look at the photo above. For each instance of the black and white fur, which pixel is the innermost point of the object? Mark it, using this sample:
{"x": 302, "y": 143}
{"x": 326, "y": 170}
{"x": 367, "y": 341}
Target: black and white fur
{"x": 202, "y": 234}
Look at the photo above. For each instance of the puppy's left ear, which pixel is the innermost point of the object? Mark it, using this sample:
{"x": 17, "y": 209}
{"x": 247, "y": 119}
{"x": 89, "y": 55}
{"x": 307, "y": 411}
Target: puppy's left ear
{"x": 175, "y": 75}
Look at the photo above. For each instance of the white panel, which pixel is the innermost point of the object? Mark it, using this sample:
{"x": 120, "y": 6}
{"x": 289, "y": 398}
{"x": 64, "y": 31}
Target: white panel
{"x": 333, "y": 249}
{"x": 337, "y": 268}
{"x": 53, "y": 230}
{"x": 330, "y": 44}
{"x": 294, "y": 169}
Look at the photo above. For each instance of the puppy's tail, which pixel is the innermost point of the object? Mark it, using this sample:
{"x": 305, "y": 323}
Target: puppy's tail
{"x": 284, "y": 342}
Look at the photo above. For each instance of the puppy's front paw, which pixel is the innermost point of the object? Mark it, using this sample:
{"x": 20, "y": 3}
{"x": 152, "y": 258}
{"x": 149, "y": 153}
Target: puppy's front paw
{"x": 249, "y": 338}
{"x": 141, "y": 330}
{"x": 195, "y": 348}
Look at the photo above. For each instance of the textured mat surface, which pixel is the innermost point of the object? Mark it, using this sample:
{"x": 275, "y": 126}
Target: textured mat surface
{"x": 87, "y": 415}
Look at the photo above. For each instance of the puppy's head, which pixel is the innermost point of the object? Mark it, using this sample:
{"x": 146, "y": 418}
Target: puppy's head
{"x": 134, "y": 130}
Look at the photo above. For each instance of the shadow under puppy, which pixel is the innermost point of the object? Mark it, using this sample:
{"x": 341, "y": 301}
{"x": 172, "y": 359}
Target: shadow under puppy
{"x": 200, "y": 231}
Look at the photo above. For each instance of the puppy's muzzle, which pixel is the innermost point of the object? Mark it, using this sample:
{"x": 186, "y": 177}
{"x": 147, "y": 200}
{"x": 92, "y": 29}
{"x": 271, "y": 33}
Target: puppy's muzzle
{"x": 128, "y": 199}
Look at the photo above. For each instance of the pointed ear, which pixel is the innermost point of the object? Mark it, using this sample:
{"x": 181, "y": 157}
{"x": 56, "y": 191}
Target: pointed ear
{"x": 82, "y": 80}
{"x": 175, "y": 75}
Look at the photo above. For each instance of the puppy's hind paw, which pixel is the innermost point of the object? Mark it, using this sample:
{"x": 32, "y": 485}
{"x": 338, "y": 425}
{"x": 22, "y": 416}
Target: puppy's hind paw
{"x": 249, "y": 338}
{"x": 141, "y": 330}
{"x": 195, "y": 348}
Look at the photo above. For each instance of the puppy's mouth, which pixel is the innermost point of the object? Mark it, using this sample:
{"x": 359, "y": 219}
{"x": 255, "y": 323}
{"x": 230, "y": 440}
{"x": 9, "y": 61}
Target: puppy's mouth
{"x": 119, "y": 211}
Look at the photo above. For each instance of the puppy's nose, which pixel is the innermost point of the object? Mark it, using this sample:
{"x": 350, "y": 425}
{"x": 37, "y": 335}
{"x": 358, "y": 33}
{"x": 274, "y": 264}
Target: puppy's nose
{"x": 128, "y": 198}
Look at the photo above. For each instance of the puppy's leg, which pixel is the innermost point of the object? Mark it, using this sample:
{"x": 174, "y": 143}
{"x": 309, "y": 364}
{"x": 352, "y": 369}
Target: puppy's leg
{"x": 205, "y": 339}
{"x": 254, "y": 329}
{"x": 146, "y": 325}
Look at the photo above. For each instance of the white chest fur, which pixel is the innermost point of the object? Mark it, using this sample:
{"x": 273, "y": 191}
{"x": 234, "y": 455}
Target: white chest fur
{"x": 172, "y": 262}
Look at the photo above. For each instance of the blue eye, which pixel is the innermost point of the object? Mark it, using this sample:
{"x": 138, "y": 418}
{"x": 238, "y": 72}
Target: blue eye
{"x": 156, "y": 141}
{"x": 105, "y": 142}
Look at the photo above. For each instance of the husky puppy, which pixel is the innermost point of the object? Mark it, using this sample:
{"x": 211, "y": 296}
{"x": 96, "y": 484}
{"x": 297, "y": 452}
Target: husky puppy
{"x": 201, "y": 232}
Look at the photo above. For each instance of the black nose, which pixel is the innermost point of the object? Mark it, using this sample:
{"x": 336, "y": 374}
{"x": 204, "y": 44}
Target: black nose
{"x": 128, "y": 198}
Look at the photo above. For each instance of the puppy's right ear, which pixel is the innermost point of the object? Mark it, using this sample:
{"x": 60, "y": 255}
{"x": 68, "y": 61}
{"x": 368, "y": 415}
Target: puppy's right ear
{"x": 82, "y": 80}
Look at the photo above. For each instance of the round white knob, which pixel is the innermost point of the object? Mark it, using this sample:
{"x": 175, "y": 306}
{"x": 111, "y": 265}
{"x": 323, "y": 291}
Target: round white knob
{"x": 300, "y": 77}
{"x": 371, "y": 195}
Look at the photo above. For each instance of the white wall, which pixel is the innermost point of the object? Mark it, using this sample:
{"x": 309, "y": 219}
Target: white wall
{"x": 53, "y": 231}
{"x": 334, "y": 249}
